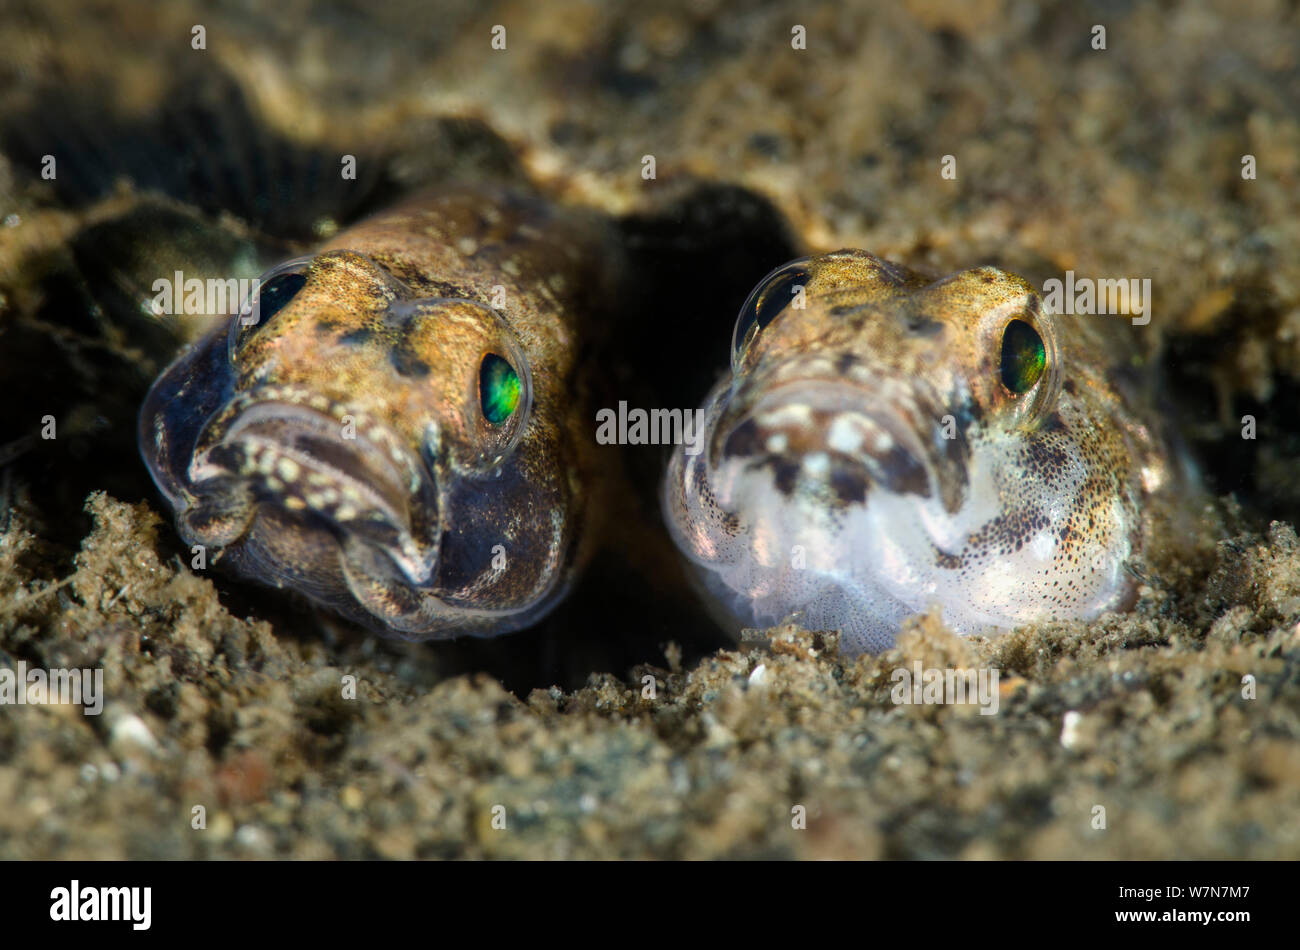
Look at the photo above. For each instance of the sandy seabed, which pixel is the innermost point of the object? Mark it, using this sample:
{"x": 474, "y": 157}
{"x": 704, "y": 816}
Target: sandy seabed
{"x": 1180, "y": 719}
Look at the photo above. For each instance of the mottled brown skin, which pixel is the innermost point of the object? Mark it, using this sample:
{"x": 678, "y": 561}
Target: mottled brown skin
{"x": 869, "y": 430}
{"x": 340, "y": 447}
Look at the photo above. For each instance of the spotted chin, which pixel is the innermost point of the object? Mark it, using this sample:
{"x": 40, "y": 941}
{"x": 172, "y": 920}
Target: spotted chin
{"x": 324, "y": 465}
{"x": 816, "y": 507}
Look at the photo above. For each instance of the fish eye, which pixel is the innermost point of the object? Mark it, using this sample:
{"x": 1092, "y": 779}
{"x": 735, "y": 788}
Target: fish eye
{"x": 771, "y": 296}
{"x": 274, "y": 295}
{"x": 271, "y": 293}
{"x": 499, "y": 389}
{"x": 1024, "y": 357}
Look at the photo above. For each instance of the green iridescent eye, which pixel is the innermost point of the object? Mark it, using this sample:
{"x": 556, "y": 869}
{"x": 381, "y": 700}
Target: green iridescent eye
{"x": 1024, "y": 357}
{"x": 498, "y": 389}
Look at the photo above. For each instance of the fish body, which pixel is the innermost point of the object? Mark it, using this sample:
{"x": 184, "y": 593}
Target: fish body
{"x": 398, "y": 425}
{"x": 886, "y": 442}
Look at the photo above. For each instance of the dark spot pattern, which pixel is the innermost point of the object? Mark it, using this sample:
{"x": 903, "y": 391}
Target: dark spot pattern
{"x": 357, "y": 337}
{"x": 406, "y": 362}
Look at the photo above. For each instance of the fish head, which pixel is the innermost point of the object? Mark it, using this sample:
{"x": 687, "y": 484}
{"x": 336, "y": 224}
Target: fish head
{"x": 367, "y": 444}
{"x": 885, "y": 442}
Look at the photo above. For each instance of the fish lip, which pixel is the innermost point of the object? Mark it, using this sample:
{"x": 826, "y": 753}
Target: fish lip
{"x": 836, "y": 393}
{"x": 356, "y": 485}
{"x": 895, "y": 459}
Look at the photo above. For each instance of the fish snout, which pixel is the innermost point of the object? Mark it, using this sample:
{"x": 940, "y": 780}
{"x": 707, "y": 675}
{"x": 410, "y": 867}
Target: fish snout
{"x": 332, "y": 470}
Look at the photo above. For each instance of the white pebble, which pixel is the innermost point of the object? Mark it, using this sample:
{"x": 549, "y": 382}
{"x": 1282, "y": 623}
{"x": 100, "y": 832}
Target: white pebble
{"x": 254, "y": 840}
{"x": 129, "y": 733}
{"x": 1070, "y": 729}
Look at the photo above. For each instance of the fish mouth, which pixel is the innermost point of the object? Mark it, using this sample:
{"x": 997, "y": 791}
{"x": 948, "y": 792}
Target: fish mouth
{"x": 843, "y": 440}
{"x": 330, "y": 467}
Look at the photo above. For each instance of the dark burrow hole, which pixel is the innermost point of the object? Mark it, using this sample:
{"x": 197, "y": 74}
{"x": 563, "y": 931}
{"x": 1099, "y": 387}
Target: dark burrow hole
{"x": 1215, "y": 415}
